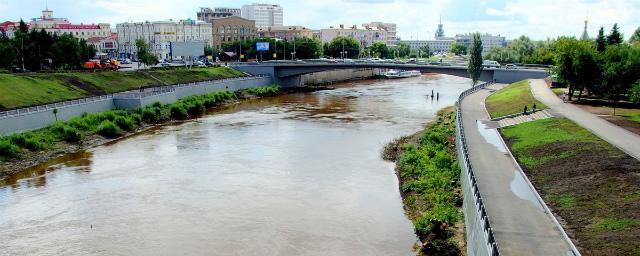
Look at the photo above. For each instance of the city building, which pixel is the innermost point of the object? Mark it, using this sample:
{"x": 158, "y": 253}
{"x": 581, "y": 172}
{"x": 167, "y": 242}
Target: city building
{"x": 391, "y": 28}
{"x": 60, "y": 26}
{"x": 435, "y": 46}
{"x": 366, "y": 36}
{"x": 585, "y": 35}
{"x": 107, "y": 45}
{"x": 488, "y": 41}
{"x": 231, "y": 29}
{"x": 207, "y": 15}
{"x": 160, "y": 34}
{"x": 265, "y": 15}
{"x": 285, "y": 32}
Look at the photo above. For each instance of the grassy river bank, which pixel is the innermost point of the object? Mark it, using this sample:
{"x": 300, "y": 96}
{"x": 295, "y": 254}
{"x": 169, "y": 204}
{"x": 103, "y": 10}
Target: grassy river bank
{"x": 20, "y": 151}
{"x": 429, "y": 177}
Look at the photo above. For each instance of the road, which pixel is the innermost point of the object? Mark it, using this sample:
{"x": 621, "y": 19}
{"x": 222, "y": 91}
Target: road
{"x": 625, "y": 140}
{"x": 520, "y": 223}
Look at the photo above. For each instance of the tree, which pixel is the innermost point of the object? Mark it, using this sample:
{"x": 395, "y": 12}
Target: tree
{"x": 523, "y": 46}
{"x": 144, "y": 56}
{"x": 424, "y": 51}
{"x": 343, "y": 46}
{"x": 576, "y": 64}
{"x": 66, "y": 52}
{"x": 379, "y": 49}
{"x": 621, "y": 70}
{"x": 634, "y": 93}
{"x": 458, "y": 49}
{"x": 7, "y": 52}
{"x": 635, "y": 37}
{"x": 475, "y": 59}
{"x": 403, "y": 50}
{"x": 502, "y": 55}
{"x": 615, "y": 37}
{"x": 601, "y": 40}
{"x": 307, "y": 48}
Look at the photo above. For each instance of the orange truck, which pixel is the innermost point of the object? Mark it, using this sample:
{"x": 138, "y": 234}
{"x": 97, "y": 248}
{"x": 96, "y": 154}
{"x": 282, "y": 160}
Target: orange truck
{"x": 113, "y": 65}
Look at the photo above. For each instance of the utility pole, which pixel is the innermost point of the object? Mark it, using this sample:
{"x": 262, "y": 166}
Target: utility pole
{"x": 342, "y": 53}
{"x": 293, "y": 54}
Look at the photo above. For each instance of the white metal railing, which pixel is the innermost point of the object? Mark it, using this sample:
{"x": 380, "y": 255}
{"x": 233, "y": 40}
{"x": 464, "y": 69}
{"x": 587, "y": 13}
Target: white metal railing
{"x": 124, "y": 95}
{"x": 492, "y": 247}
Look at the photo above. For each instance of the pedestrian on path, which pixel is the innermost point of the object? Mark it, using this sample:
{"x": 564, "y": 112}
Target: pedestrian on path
{"x": 525, "y": 110}
{"x": 534, "y": 108}
{"x": 438, "y": 96}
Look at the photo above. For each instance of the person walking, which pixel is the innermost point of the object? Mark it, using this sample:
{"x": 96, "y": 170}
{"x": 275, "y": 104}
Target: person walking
{"x": 534, "y": 108}
{"x": 525, "y": 110}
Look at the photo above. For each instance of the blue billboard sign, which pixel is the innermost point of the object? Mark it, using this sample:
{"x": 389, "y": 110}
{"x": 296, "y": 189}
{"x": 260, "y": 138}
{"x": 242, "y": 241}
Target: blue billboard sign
{"x": 262, "y": 46}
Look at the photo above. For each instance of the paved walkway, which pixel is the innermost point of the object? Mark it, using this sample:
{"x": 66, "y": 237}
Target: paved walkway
{"x": 625, "y": 140}
{"x": 544, "y": 114}
{"x": 520, "y": 223}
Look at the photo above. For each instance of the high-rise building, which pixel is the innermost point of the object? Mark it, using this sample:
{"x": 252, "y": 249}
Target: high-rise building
{"x": 391, "y": 28}
{"x": 207, "y": 14}
{"x": 440, "y": 31}
{"x": 265, "y": 15}
{"x": 585, "y": 35}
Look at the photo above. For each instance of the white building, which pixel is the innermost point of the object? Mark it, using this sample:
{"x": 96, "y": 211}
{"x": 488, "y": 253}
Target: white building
{"x": 391, "y": 29}
{"x": 488, "y": 41}
{"x": 207, "y": 14}
{"x": 60, "y": 26}
{"x": 265, "y": 15}
{"x": 366, "y": 36}
{"x": 435, "y": 46}
{"x": 160, "y": 34}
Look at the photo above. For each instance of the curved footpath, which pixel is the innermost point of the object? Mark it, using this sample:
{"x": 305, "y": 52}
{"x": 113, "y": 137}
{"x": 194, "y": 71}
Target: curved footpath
{"x": 625, "y": 140}
{"x": 519, "y": 219}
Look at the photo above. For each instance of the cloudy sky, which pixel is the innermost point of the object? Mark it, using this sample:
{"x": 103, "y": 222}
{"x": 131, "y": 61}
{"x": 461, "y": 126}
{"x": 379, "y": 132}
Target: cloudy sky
{"x": 416, "y": 19}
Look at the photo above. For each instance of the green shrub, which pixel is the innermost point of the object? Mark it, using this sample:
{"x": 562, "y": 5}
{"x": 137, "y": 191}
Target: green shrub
{"x": 125, "y": 123}
{"x": 8, "y": 150}
{"x": 70, "y": 134}
{"x": 179, "y": 112}
{"x": 26, "y": 140}
{"x": 109, "y": 130}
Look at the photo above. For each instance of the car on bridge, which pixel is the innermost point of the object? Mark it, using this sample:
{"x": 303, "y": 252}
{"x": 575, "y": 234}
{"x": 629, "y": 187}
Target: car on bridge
{"x": 490, "y": 64}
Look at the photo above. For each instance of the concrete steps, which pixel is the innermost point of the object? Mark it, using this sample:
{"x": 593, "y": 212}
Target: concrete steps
{"x": 543, "y": 114}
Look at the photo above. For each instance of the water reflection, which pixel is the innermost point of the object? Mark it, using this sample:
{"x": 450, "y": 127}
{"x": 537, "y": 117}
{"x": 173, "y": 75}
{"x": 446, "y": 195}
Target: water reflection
{"x": 297, "y": 174}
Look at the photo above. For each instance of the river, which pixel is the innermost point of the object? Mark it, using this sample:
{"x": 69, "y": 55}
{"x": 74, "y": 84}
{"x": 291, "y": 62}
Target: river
{"x": 297, "y": 174}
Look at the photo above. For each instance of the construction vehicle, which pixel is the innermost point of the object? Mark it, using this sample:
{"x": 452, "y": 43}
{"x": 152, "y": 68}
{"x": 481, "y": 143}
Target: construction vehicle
{"x": 102, "y": 63}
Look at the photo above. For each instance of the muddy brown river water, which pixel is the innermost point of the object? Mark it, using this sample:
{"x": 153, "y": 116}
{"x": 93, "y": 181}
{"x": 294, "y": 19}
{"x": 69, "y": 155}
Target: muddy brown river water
{"x": 297, "y": 174}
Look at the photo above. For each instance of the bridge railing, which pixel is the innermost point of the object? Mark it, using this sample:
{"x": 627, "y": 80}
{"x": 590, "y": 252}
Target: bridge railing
{"x": 463, "y": 152}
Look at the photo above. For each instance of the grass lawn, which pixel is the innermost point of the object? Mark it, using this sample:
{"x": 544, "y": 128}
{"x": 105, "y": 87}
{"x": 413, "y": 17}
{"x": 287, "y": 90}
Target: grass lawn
{"x": 592, "y": 185}
{"x": 511, "y": 100}
{"x": 34, "y": 89}
{"x": 16, "y": 91}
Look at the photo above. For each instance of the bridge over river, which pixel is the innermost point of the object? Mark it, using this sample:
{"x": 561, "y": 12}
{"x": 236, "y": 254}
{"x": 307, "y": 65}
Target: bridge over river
{"x": 290, "y": 74}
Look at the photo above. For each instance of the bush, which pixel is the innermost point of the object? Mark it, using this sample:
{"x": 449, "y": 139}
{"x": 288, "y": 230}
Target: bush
{"x": 70, "y": 134}
{"x": 178, "y": 111}
{"x": 125, "y": 123}
{"x": 8, "y": 150}
{"x": 109, "y": 130}
{"x": 26, "y": 140}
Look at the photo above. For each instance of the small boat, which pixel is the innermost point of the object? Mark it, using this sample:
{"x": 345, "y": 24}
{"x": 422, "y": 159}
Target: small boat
{"x": 401, "y": 74}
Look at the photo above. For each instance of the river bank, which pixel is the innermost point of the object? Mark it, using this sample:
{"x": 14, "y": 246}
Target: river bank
{"x": 30, "y": 149}
{"x": 429, "y": 181}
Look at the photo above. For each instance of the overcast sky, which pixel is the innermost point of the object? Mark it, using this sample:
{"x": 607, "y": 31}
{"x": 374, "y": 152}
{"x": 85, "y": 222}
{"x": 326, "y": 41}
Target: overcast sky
{"x": 416, "y": 19}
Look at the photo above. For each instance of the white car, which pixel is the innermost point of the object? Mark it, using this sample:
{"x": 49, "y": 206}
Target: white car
{"x": 490, "y": 64}
{"x": 511, "y": 66}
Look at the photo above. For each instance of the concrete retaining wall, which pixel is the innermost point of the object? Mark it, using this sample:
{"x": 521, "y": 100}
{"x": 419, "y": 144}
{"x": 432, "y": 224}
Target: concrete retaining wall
{"x": 336, "y": 76}
{"x": 17, "y": 121}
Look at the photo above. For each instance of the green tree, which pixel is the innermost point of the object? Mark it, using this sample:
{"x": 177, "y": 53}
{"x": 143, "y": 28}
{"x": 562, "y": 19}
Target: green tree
{"x": 87, "y": 51}
{"x": 348, "y": 45}
{"x": 66, "y": 52}
{"x": 379, "y": 49}
{"x": 475, "y": 58}
{"x": 634, "y": 93}
{"x": 7, "y": 52}
{"x": 403, "y": 50}
{"x": 621, "y": 70}
{"x": 424, "y": 51}
{"x": 144, "y": 55}
{"x": 523, "y": 46}
{"x": 615, "y": 37}
{"x": 601, "y": 40}
{"x": 458, "y": 49}
{"x": 502, "y": 55}
{"x": 308, "y": 48}
{"x": 576, "y": 64}
{"x": 635, "y": 37}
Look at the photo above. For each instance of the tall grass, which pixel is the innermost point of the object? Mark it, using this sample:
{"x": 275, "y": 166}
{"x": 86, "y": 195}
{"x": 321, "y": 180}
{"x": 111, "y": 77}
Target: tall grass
{"x": 271, "y": 90}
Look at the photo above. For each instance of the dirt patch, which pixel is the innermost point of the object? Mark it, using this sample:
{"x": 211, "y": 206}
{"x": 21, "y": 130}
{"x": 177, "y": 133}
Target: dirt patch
{"x": 606, "y": 113}
{"x": 86, "y": 86}
{"x": 594, "y": 183}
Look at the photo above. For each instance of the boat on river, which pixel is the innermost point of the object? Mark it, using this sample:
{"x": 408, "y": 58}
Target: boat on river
{"x": 401, "y": 73}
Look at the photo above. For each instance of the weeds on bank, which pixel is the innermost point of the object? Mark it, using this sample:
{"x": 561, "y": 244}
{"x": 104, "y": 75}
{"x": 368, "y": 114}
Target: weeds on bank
{"x": 430, "y": 181}
{"x": 114, "y": 123}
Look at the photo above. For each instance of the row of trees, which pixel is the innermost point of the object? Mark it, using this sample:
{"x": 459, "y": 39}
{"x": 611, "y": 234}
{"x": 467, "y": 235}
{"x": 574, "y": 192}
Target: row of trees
{"x": 38, "y": 50}
{"x": 305, "y": 48}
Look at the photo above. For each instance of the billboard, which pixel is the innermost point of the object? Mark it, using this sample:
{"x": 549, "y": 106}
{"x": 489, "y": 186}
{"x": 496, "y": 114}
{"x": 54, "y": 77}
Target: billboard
{"x": 185, "y": 49}
{"x": 262, "y": 46}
